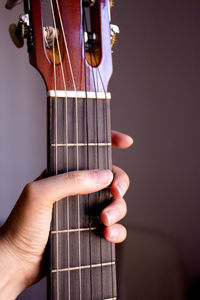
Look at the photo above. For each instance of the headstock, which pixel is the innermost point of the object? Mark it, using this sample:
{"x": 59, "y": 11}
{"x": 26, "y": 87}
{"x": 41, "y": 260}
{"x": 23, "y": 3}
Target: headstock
{"x": 70, "y": 40}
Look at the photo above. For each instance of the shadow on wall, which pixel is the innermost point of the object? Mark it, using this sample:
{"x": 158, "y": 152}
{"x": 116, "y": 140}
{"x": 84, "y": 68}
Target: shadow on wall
{"x": 150, "y": 268}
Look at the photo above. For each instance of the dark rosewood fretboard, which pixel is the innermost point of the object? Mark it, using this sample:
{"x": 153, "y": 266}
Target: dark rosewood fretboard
{"x": 82, "y": 263}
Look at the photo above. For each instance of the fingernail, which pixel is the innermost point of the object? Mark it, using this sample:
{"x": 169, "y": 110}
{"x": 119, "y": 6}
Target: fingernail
{"x": 112, "y": 215}
{"x": 122, "y": 188}
{"x": 131, "y": 140}
{"x": 103, "y": 176}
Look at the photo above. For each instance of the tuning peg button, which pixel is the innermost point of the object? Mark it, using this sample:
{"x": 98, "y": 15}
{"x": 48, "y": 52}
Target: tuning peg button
{"x": 114, "y": 30}
{"x": 17, "y": 40}
{"x": 11, "y": 3}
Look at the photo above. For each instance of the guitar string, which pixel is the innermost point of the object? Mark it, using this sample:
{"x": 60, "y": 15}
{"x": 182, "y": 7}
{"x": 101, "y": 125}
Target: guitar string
{"x": 107, "y": 134}
{"x": 56, "y": 161}
{"x": 100, "y": 200}
{"x": 88, "y": 196}
{"x": 77, "y": 139}
{"x": 98, "y": 162}
{"x": 66, "y": 138}
{"x": 99, "y": 193}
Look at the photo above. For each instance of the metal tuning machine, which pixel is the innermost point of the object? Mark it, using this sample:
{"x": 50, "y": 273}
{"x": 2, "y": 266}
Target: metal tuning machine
{"x": 20, "y": 31}
{"x": 114, "y": 30}
{"x": 90, "y": 36}
{"x": 112, "y": 4}
{"x": 88, "y": 3}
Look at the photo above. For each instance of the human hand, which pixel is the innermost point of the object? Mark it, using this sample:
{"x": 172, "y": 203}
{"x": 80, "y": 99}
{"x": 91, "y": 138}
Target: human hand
{"x": 24, "y": 236}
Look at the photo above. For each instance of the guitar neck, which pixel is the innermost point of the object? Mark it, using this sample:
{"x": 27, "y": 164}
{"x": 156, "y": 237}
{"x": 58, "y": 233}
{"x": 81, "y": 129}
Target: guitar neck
{"x": 82, "y": 262}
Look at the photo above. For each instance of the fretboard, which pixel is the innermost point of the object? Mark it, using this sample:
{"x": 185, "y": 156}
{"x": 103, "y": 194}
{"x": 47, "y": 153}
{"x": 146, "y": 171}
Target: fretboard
{"x": 82, "y": 262}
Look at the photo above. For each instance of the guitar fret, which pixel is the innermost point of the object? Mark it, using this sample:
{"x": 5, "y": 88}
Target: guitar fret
{"x": 74, "y": 230}
{"x": 84, "y": 267}
{"x": 82, "y": 145}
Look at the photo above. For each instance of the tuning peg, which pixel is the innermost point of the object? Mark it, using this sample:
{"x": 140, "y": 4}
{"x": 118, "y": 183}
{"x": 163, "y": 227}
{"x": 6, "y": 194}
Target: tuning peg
{"x": 11, "y": 3}
{"x": 114, "y": 30}
{"x": 112, "y": 4}
{"x": 17, "y": 40}
{"x": 20, "y": 31}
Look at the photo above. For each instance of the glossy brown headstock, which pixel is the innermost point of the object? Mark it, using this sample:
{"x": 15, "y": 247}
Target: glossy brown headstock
{"x": 87, "y": 63}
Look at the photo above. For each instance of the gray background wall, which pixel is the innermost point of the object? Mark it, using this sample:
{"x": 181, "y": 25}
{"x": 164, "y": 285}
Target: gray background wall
{"x": 156, "y": 99}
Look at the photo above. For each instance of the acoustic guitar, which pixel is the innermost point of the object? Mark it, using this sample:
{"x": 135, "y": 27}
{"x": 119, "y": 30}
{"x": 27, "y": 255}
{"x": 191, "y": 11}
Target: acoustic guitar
{"x": 70, "y": 44}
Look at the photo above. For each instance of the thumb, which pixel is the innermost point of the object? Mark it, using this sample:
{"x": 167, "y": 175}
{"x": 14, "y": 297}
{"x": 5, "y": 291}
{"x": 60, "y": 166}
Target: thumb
{"x": 38, "y": 197}
{"x": 52, "y": 189}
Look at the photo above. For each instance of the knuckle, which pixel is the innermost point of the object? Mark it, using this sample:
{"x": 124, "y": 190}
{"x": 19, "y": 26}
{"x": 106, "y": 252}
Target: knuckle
{"x": 121, "y": 174}
{"x": 29, "y": 189}
{"x": 122, "y": 206}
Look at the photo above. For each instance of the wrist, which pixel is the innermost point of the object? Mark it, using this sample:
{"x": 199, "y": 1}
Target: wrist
{"x": 11, "y": 273}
